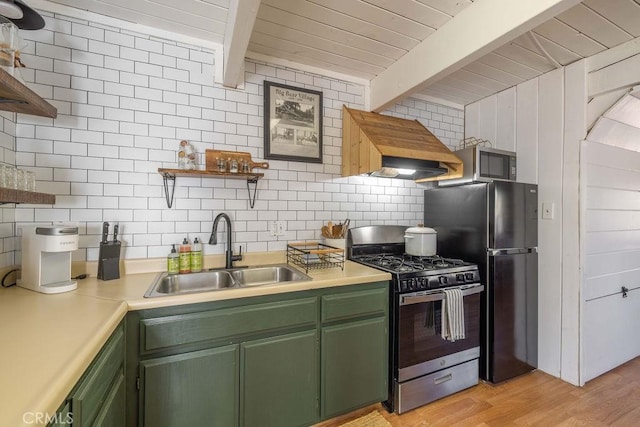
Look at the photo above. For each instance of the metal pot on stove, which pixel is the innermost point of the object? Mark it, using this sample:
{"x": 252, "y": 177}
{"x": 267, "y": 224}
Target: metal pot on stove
{"x": 420, "y": 241}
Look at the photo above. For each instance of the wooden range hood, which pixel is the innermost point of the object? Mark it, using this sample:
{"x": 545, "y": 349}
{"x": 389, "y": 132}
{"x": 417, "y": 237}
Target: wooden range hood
{"x": 369, "y": 140}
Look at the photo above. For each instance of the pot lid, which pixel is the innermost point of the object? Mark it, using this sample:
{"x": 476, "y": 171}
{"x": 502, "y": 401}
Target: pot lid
{"x": 30, "y": 19}
{"x": 421, "y": 229}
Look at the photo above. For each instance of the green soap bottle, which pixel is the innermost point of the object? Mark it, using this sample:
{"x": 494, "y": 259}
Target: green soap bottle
{"x": 173, "y": 261}
{"x": 196, "y": 256}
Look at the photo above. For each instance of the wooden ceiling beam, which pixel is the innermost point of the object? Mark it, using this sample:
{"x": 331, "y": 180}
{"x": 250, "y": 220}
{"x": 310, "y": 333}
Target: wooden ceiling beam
{"x": 474, "y": 32}
{"x": 240, "y": 21}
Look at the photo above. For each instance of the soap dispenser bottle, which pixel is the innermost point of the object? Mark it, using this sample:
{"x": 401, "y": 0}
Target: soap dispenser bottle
{"x": 185, "y": 257}
{"x": 173, "y": 262}
{"x": 196, "y": 256}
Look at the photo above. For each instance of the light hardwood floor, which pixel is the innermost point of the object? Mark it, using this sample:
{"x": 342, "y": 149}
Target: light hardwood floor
{"x": 535, "y": 399}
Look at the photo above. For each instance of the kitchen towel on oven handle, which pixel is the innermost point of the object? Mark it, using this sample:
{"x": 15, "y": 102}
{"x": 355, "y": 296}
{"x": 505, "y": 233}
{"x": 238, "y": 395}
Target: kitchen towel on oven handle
{"x": 453, "y": 315}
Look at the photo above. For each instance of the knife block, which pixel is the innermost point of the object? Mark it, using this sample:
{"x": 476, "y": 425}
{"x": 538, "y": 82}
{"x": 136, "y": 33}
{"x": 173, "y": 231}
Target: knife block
{"x": 109, "y": 260}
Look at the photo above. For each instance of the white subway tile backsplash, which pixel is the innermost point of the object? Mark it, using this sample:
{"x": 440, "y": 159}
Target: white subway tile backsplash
{"x": 130, "y": 99}
{"x": 51, "y": 215}
{"x": 106, "y": 74}
{"x": 103, "y": 99}
{"x": 148, "y": 45}
{"x": 85, "y": 110}
{"x": 192, "y": 88}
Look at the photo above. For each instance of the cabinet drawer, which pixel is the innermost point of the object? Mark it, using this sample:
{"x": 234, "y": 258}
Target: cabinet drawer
{"x": 91, "y": 392}
{"x": 190, "y": 328}
{"x": 355, "y": 304}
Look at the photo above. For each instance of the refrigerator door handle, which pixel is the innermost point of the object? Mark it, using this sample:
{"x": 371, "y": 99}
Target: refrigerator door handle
{"x": 511, "y": 251}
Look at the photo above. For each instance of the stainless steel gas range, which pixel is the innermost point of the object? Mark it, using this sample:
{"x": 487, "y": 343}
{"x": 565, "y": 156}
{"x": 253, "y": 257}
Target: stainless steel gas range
{"x": 423, "y": 366}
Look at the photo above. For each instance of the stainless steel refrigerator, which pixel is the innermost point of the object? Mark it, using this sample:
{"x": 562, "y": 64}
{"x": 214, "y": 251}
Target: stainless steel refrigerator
{"x": 495, "y": 225}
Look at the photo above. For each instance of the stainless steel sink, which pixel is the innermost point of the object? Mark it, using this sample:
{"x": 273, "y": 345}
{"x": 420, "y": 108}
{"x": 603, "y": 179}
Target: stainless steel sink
{"x": 177, "y": 284}
{"x": 174, "y": 284}
{"x": 266, "y": 275}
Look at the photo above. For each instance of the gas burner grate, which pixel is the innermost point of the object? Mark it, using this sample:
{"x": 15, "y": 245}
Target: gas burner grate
{"x": 405, "y": 263}
{"x": 435, "y": 261}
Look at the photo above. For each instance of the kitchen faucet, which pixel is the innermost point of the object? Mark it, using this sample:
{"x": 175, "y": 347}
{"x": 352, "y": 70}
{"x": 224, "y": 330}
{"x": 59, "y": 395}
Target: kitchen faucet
{"x": 213, "y": 240}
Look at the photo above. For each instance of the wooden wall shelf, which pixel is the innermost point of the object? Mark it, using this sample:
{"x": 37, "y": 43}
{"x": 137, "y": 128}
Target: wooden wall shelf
{"x": 16, "y": 97}
{"x": 211, "y": 174}
{"x": 170, "y": 175}
{"x": 10, "y": 195}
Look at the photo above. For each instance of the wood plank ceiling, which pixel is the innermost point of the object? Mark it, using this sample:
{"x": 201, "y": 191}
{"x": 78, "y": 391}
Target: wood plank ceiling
{"x": 362, "y": 38}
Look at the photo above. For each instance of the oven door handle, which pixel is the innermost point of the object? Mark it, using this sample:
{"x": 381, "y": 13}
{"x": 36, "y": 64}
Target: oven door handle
{"x": 437, "y": 295}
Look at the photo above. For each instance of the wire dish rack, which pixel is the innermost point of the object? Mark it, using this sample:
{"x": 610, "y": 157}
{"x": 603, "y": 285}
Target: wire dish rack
{"x": 314, "y": 256}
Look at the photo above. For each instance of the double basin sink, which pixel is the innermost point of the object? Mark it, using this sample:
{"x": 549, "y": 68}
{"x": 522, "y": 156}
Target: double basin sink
{"x": 214, "y": 280}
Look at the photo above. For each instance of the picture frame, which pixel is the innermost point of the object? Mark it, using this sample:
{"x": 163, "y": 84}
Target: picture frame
{"x": 292, "y": 123}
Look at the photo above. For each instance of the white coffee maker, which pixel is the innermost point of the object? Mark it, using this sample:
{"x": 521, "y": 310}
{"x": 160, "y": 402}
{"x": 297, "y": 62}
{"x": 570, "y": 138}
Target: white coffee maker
{"x": 46, "y": 258}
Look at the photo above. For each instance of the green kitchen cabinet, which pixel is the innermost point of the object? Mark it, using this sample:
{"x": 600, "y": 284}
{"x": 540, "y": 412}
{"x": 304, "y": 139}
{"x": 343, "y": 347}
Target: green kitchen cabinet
{"x": 193, "y": 389}
{"x": 98, "y": 398}
{"x": 354, "y": 356}
{"x": 269, "y": 360}
{"x": 280, "y": 381}
{"x": 354, "y": 366}
{"x": 63, "y": 417}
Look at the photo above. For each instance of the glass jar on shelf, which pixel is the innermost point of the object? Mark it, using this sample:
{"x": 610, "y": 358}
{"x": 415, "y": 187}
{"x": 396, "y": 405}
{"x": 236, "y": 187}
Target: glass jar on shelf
{"x": 233, "y": 166}
{"x": 222, "y": 165}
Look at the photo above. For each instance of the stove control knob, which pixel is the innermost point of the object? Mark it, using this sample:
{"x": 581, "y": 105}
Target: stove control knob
{"x": 460, "y": 277}
{"x": 468, "y": 276}
{"x": 442, "y": 280}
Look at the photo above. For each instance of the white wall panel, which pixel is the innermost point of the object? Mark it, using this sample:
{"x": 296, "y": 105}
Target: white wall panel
{"x": 612, "y": 132}
{"x": 527, "y": 131}
{"x": 612, "y": 256}
{"x": 550, "y": 147}
{"x": 471, "y": 119}
{"x": 612, "y": 326}
{"x": 487, "y": 119}
{"x": 481, "y": 119}
{"x": 611, "y": 284}
{"x": 574, "y": 132}
{"x": 506, "y": 120}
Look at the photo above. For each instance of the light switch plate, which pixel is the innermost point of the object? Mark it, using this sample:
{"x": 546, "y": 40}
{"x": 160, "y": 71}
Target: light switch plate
{"x": 547, "y": 210}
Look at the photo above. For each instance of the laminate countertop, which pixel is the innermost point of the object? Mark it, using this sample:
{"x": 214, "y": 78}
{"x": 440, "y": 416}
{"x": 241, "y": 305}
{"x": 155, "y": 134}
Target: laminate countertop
{"x": 50, "y": 340}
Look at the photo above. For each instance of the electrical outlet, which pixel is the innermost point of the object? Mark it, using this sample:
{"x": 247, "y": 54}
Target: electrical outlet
{"x": 277, "y": 228}
{"x": 547, "y": 210}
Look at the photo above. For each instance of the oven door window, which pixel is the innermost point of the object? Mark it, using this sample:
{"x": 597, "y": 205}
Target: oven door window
{"x": 420, "y": 331}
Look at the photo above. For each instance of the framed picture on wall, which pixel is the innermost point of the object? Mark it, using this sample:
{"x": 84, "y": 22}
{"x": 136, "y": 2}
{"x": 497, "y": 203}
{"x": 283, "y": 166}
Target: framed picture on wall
{"x": 292, "y": 123}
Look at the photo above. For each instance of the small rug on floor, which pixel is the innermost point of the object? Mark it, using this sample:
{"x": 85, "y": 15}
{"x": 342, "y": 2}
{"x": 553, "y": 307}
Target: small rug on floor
{"x": 374, "y": 419}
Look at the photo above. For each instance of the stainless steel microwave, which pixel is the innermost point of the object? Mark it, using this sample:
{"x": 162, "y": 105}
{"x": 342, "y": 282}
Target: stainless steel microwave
{"x": 485, "y": 164}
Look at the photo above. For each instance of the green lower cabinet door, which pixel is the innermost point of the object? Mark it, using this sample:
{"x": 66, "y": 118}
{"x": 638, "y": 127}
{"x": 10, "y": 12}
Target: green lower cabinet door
{"x": 192, "y": 389}
{"x": 354, "y": 366}
{"x": 279, "y": 385}
{"x": 112, "y": 412}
